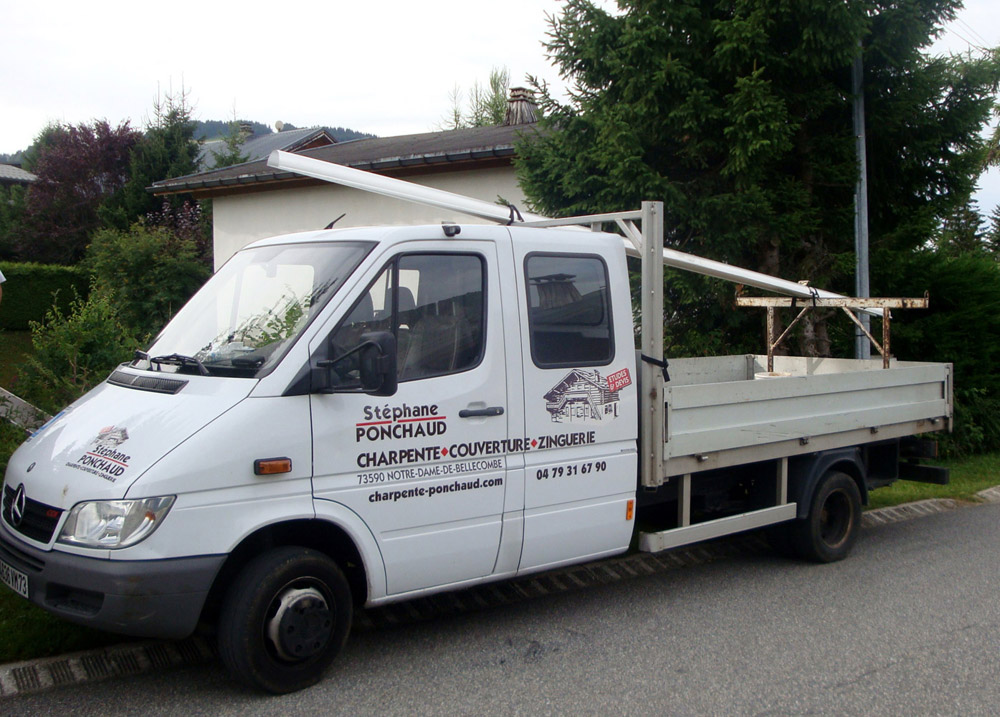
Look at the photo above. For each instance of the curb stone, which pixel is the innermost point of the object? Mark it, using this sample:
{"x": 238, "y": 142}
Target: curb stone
{"x": 33, "y": 676}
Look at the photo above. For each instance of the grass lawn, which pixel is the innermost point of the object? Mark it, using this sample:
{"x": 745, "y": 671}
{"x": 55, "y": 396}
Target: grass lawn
{"x": 968, "y": 477}
{"x": 29, "y": 632}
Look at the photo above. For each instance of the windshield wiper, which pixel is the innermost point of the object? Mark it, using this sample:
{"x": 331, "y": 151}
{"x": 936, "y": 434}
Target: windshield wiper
{"x": 181, "y": 360}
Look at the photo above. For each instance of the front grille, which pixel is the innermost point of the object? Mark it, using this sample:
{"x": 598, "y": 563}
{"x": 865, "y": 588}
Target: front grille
{"x": 39, "y": 520}
{"x": 146, "y": 383}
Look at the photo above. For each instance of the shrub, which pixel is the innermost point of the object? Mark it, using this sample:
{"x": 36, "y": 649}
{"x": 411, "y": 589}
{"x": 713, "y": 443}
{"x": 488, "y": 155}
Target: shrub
{"x": 148, "y": 273}
{"x": 962, "y": 326}
{"x": 140, "y": 279}
{"x": 31, "y": 289}
{"x": 73, "y": 352}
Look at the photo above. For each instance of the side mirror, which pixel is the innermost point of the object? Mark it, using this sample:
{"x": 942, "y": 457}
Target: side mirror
{"x": 377, "y": 359}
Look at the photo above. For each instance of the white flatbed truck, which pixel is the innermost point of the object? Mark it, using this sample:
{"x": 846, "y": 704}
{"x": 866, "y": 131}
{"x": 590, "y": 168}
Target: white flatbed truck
{"x": 353, "y": 417}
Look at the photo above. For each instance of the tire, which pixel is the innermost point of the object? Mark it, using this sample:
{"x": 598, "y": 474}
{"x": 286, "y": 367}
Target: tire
{"x": 829, "y": 531}
{"x": 284, "y": 620}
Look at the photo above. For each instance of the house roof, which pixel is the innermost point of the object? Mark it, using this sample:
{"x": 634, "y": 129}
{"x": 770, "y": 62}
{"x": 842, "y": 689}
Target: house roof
{"x": 9, "y": 174}
{"x": 259, "y": 146}
{"x": 433, "y": 150}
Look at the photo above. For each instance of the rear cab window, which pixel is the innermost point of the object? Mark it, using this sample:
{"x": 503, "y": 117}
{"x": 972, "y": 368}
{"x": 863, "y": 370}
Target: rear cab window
{"x": 569, "y": 310}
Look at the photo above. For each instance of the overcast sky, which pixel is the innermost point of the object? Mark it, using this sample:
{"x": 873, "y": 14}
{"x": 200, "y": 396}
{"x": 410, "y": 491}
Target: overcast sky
{"x": 383, "y": 66}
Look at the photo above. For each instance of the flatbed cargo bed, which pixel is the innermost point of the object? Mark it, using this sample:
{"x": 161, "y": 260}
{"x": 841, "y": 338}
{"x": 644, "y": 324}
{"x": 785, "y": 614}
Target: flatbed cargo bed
{"x": 728, "y": 410}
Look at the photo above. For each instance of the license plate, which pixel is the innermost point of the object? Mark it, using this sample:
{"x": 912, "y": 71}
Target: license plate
{"x": 14, "y": 579}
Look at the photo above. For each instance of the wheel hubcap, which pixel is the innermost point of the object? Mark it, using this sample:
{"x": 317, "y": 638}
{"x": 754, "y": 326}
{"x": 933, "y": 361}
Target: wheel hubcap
{"x": 302, "y": 625}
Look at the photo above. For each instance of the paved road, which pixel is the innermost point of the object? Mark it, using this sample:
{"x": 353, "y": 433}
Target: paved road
{"x": 910, "y": 624}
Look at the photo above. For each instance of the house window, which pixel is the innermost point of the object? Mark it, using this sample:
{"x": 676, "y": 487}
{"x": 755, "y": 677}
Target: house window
{"x": 569, "y": 310}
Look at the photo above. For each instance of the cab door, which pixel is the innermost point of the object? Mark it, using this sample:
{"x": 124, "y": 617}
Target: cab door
{"x": 580, "y": 401}
{"x": 425, "y": 468}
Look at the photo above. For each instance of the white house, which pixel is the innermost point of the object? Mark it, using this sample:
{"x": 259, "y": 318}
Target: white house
{"x": 251, "y": 201}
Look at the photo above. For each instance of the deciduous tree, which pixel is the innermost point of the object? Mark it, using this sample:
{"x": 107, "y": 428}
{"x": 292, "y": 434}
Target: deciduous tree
{"x": 79, "y": 169}
{"x": 487, "y": 103}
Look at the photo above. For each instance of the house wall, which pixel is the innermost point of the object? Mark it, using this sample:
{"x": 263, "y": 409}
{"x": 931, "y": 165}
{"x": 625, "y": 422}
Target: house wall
{"x": 244, "y": 218}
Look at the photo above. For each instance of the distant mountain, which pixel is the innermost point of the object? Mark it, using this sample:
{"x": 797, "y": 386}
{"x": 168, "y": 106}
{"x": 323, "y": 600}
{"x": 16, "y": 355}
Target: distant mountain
{"x": 216, "y": 129}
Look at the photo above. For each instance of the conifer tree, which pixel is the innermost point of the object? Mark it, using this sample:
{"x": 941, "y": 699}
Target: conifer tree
{"x": 738, "y": 116}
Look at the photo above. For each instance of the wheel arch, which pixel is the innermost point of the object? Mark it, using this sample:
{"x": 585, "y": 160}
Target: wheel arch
{"x": 320, "y": 535}
{"x": 806, "y": 471}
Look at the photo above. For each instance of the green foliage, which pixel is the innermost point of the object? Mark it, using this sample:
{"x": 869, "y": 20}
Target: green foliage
{"x": 30, "y": 633}
{"x": 80, "y": 168}
{"x": 968, "y": 477}
{"x": 147, "y": 273}
{"x": 977, "y": 424}
{"x": 962, "y": 233}
{"x": 280, "y": 324}
{"x": 10, "y": 438}
{"x": 217, "y": 129}
{"x": 233, "y": 153}
{"x": 487, "y": 105}
{"x": 992, "y": 237}
{"x": 15, "y": 346}
{"x": 31, "y": 289}
{"x": 167, "y": 149}
{"x": 962, "y": 326}
{"x": 73, "y": 352}
{"x": 12, "y": 210}
{"x": 738, "y": 117}
{"x": 140, "y": 279}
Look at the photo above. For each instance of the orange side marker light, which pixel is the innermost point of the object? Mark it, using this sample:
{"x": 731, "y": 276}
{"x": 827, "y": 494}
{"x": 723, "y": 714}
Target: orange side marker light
{"x": 272, "y": 466}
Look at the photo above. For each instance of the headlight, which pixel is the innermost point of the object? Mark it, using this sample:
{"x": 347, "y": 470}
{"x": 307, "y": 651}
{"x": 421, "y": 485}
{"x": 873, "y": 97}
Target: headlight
{"x": 113, "y": 524}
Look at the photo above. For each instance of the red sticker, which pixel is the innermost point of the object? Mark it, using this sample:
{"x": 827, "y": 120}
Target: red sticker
{"x": 619, "y": 380}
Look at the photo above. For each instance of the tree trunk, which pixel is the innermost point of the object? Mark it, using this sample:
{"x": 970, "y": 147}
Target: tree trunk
{"x": 815, "y": 339}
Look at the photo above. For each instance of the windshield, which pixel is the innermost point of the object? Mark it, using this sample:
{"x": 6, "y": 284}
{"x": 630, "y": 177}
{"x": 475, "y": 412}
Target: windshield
{"x": 249, "y": 314}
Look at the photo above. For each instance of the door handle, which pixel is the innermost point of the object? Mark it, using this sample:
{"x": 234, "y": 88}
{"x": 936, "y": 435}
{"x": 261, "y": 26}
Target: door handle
{"x": 474, "y": 412}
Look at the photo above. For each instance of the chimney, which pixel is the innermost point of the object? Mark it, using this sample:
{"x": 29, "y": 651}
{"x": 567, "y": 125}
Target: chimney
{"x": 521, "y": 107}
{"x": 246, "y": 131}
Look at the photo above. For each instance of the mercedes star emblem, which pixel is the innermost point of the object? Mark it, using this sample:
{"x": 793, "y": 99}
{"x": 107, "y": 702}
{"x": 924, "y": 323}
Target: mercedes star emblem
{"x": 17, "y": 507}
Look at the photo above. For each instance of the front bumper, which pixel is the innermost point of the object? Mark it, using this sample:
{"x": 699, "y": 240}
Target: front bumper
{"x": 145, "y": 598}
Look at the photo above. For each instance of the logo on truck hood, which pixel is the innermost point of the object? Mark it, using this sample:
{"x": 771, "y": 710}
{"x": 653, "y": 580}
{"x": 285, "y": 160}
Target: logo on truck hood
{"x": 584, "y": 396}
{"x": 104, "y": 459}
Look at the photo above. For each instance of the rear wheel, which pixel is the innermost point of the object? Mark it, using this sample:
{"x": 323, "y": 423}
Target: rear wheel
{"x": 284, "y": 619}
{"x": 829, "y": 531}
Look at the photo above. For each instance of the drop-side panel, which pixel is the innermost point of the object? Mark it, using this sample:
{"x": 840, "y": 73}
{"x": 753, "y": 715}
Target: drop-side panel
{"x": 818, "y": 404}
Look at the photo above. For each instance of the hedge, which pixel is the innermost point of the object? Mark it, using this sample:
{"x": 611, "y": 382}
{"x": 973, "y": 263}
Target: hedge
{"x": 27, "y": 293}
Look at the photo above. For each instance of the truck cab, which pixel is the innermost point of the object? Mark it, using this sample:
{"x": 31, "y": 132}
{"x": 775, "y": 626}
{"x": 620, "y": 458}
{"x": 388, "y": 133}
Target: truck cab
{"x": 339, "y": 418}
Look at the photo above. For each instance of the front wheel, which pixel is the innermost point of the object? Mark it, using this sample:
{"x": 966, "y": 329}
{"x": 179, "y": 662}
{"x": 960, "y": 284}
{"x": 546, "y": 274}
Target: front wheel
{"x": 284, "y": 620}
{"x": 829, "y": 531}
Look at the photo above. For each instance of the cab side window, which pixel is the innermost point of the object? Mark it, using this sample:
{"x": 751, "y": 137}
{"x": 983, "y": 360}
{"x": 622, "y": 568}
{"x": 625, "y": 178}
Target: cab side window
{"x": 569, "y": 310}
{"x": 433, "y": 304}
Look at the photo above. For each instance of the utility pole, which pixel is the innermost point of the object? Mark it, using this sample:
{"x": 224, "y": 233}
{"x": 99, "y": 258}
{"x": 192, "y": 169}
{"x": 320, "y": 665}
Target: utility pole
{"x": 862, "y": 349}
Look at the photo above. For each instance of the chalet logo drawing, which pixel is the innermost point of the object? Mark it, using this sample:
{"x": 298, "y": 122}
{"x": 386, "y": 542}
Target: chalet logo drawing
{"x": 110, "y": 437}
{"x": 582, "y": 397}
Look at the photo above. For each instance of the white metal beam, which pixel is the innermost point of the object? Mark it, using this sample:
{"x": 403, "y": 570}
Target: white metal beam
{"x": 408, "y": 191}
